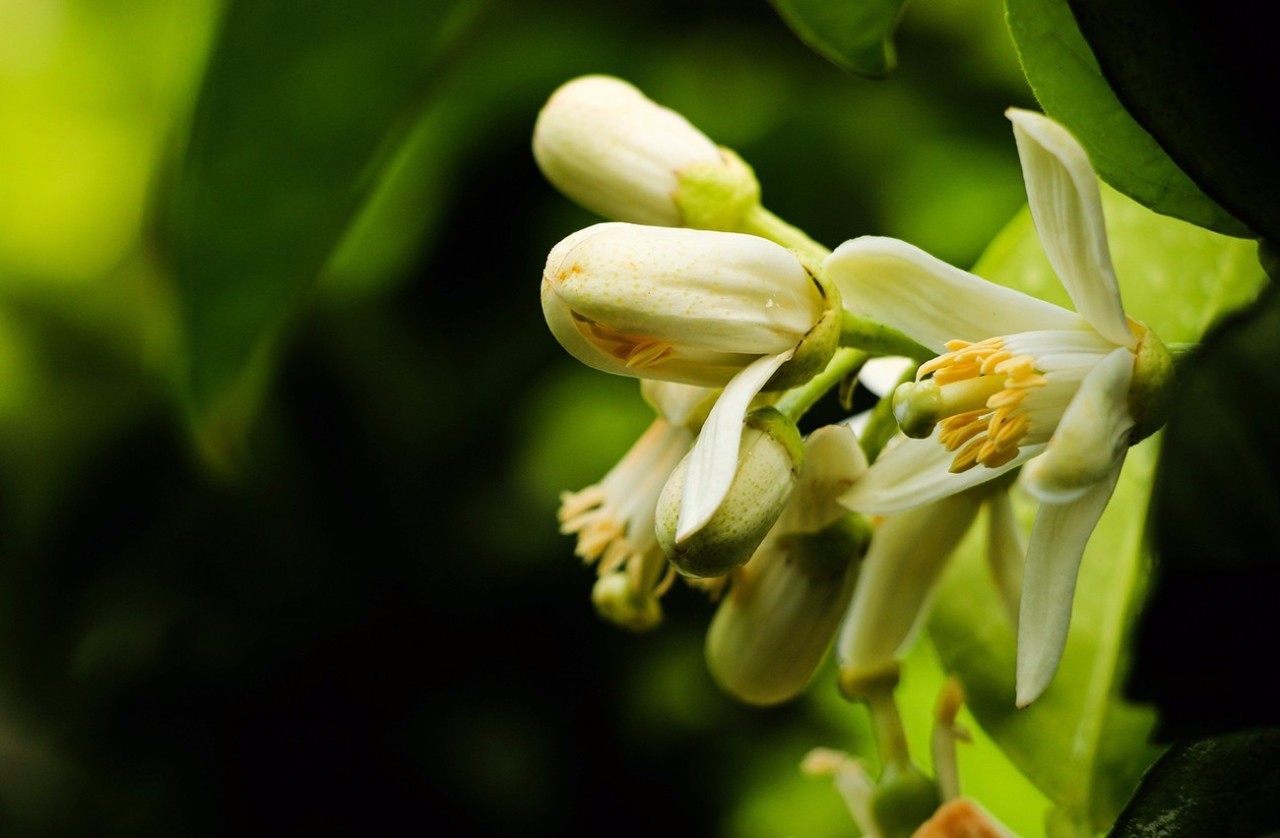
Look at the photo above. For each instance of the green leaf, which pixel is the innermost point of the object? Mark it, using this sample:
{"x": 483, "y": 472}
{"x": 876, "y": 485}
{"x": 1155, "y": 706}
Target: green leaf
{"x": 855, "y": 35}
{"x": 1225, "y": 785}
{"x": 1217, "y": 534}
{"x": 1082, "y": 743}
{"x": 1200, "y": 78}
{"x": 301, "y": 103}
{"x": 1069, "y": 86}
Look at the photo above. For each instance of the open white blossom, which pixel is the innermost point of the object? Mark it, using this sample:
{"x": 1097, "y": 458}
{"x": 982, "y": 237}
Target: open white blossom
{"x": 1018, "y": 381}
{"x": 613, "y": 519}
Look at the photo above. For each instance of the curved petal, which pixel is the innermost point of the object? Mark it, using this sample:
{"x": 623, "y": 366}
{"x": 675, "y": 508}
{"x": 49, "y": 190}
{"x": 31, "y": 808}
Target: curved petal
{"x": 1048, "y": 587}
{"x": 912, "y": 472}
{"x": 833, "y": 462}
{"x": 714, "y": 457}
{"x": 932, "y": 302}
{"x": 1062, "y": 191}
{"x": 1092, "y": 434}
{"x": 906, "y": 557}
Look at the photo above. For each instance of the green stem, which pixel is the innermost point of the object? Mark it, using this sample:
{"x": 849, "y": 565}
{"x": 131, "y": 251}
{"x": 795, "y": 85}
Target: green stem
{"x": 882, "y": 424}
{"x": 891, "y": 740}
{"x": 760, "y": 222}
{"x": 879, "y": 339}
{"x": 844, "y": 363}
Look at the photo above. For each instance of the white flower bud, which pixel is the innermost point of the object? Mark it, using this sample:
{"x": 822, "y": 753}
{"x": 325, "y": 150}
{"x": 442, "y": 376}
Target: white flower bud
{"x": 686, "y": 305}
{"x": 614, "y": 151}
{"x": 769, "y": 459}
{"x": 775, "y": 626}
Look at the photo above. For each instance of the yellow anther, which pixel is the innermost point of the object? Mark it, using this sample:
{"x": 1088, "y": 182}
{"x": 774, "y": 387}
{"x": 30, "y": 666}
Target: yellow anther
{"x": 1006, "y": 398}
{"x": 989, "y": 364}
{"x": 646, "y": 353}
{"x": 984, "y": 373}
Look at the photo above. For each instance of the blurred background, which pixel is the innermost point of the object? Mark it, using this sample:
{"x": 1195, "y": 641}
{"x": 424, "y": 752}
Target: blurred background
{"x": 325, "y": 590}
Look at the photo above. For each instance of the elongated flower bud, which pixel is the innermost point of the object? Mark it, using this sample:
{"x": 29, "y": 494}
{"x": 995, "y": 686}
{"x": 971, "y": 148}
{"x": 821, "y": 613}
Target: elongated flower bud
{"x": 769, "y": 459}
{"x": 611, "y": 149}
{"x": 686, "y": 305}
{"x": 775, "y": 626}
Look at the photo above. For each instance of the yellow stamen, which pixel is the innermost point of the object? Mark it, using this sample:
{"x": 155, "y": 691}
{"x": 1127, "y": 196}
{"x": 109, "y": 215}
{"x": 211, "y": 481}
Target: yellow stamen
{"x": 635, "y": 351}
{"x": 981, "y": 388}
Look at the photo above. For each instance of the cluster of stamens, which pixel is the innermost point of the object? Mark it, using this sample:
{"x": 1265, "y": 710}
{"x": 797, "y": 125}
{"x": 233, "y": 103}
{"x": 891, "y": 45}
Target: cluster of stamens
{"x": 990, "y": 433}
{"x": 635, "y": 352}
{"x": 602, "y": 538}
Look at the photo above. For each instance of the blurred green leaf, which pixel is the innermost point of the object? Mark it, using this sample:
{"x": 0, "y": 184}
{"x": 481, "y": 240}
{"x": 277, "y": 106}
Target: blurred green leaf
{"x": 1069, "y": 86}
{"x": 855, "y": 35}
{"x": 1224, "y": 786}
{"x": 1216, "y": 515}
{"x": 1082, "y": 743}
{"x": 301, "y": 105}
{"x": 1199, "y": 77}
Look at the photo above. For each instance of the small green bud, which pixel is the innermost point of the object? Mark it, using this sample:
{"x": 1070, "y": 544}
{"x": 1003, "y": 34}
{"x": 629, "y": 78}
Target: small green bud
{"x": 716, "y": 195}
{"x": 769, "y": 460}
{"x": 1152, "y": 386}
{"x": 617, "y": 600}
{"x": 918, "y": 406}
{"x": 903, "y": 799}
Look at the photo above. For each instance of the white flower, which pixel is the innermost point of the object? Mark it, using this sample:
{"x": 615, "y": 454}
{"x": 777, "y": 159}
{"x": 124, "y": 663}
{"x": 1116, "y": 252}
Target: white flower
{"x": 1020, "y": 381}
{"x": 613, "y": 519}
{"x": 707, "y": 308}
{"x": 605, "y": 145}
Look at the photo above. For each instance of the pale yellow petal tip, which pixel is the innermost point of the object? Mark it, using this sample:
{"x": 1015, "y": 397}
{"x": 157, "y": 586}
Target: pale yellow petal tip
{"x": 962, "y": 818}
{"x": 1027, "y": 693}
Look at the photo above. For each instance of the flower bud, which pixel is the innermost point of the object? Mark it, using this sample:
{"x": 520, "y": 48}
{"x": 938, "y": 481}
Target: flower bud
{"x": 904, "y": 798}
{"x": 620, "y": 602}
{"x": 774, "y": 627}
{"x": 692, "y": 306}
{"x": 608, "y": 147}
{"x": 770, "y": 454}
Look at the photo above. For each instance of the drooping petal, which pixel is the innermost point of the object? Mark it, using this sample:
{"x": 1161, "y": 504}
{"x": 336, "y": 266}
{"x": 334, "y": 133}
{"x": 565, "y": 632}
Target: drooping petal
{"x": 932, "y": 302}
{"x": 906, "y": 556}
{"x": 1049, "y": 583}
{"x": 715, "y": 453}
{"x": 1062, "y": 191}
{"x": 912, "y": 472}
{"x": 1092, "y": 434}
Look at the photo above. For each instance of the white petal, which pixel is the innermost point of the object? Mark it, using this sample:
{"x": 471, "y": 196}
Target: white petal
{"x": 881, "y": 375}
{"x": 1092, "y": 434}
{"x": 679, "y": 404}
{"x": 833, "y": 462}
{"x": 907, "y": 554}
{"x": 912, "y": 472}
{"x": 714, "y": 458}
{"x": 902, "y": 286}
{"x": 1048, "y": 588}
{"x": 1062, "y": 191}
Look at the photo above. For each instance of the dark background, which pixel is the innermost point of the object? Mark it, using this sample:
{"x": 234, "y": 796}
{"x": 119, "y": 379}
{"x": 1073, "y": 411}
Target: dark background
{"x": 374, "y": 623}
